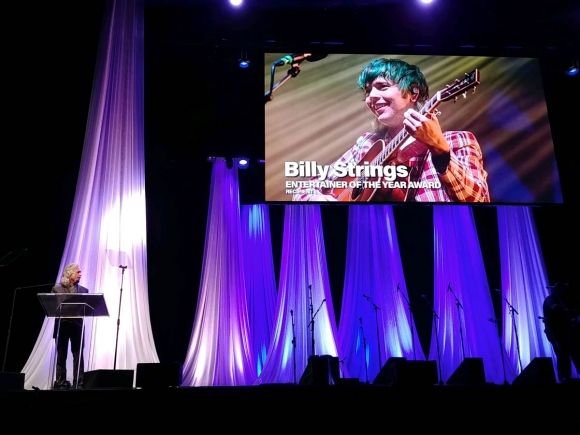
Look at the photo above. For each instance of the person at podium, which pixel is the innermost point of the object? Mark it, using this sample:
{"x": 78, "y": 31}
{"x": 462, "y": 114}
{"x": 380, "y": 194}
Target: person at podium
{"x": 70, "y": 330}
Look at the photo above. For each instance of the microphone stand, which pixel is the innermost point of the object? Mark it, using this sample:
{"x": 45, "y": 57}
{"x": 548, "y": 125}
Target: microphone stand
{"x": 496, "y": 321}
{"x": 311, "y": 317}
{"x": 364, "y": 351}
{"x": 312, "y": 324}
{"x": 292, "y": 72}
{"x": 459, "y": 308}
{"x": 377, "y": 323}
{"x": 293, "y": 344}
{"x": 412, "y": 322}
{"x": 435, "y": 318}
{"x": 12, "y": 315}
{"x": 119, "y": 316}
{"x": 512, "y": 311}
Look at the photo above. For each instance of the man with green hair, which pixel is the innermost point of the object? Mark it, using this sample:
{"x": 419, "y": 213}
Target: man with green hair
{"x": 430, "y": 165}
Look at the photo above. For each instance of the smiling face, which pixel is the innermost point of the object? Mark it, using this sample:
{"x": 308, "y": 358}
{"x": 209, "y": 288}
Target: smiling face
{"x": 388, "y": 103}
{"x": 391, "y": 87}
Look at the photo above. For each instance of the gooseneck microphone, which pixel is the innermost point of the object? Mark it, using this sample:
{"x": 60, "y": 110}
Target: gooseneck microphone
{"x": 299, "y": 57}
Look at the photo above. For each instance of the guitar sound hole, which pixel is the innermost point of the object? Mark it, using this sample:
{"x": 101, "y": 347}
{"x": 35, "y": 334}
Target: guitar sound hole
{"x": 356, "y": 192}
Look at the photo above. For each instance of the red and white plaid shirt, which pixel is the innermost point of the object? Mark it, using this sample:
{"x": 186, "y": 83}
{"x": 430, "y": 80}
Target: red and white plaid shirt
{"x": 464, "y": 179}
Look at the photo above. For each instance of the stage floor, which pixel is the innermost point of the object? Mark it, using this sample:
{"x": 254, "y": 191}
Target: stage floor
{"x": 293, "y": 406}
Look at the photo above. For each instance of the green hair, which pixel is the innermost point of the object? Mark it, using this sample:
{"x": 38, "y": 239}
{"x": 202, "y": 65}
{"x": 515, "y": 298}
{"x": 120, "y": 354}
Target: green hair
{"x": 408, "y": 78}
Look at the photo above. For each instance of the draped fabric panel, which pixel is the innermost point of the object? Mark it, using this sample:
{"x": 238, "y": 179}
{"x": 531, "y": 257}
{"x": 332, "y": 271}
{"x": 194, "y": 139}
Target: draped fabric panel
{"x": 375, "y": 320}
{"x": 260, "y": 279}
{"x": 466, "y": 324}
{"x": 524, "y": 281}
{"x": 220, "y": 348}
{"x": 305, "y": 323}
{"x": 107, "y": 227}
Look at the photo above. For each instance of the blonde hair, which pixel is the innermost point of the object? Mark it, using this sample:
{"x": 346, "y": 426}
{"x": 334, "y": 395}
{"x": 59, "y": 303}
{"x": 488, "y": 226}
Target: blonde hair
{"x": 66, "y": 273}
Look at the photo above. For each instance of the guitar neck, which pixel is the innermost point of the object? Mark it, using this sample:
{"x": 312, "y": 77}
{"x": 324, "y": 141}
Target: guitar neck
{"x": 403, "y": 135}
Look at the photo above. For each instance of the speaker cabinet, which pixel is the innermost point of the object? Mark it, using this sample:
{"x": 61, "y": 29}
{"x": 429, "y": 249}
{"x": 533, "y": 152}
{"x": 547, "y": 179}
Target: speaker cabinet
{"x": 158, "y": 375}
{"x": 540, "y": 371}
{"x": 11, "y": 381}
{"x": 400, "y": 371}
{"x": 97, "y": 379}
{"x": 321, "y": 370}
{"x": 469, "y": 372}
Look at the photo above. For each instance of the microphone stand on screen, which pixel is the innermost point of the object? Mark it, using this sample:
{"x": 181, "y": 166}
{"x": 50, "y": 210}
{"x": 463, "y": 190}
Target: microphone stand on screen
{"x": 294, "y": 60}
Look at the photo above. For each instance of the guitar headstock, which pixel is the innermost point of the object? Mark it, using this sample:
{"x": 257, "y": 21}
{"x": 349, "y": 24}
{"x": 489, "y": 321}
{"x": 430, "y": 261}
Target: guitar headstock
{"x": 459, "y": 87}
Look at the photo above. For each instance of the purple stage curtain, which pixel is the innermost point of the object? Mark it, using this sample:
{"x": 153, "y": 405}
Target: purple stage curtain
{"x": 220, "y": 347}
{"x": 465, "y": 327}
{"x": 524, "y": 280}
{"x": 107, "y": 226}
{"x": 260, "y": 279}
{"x": 374, "y": 278}
{"x": 304, "y": 292}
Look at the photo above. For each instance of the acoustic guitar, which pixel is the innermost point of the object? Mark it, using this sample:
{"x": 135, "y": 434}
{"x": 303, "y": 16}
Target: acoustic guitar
{"x": 399, "y": 151}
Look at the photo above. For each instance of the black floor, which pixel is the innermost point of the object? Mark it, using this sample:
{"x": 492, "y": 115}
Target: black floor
{"x": 274, "y": 408}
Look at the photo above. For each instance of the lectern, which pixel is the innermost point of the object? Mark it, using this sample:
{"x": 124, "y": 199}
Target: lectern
{"x": 73, "y": 306}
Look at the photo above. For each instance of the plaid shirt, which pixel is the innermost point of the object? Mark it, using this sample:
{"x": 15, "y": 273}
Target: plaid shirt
{"x": 463, "y": 180}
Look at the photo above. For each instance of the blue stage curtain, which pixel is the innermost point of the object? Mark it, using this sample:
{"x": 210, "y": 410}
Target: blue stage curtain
{"x": 375, "y": 315}
{"x": 524, "y": 280}
{"x": 465, "y": 326}
{"x": 220, "y": 347}
{"x": 260, "y": 279}
{"x": 303, "y": 295}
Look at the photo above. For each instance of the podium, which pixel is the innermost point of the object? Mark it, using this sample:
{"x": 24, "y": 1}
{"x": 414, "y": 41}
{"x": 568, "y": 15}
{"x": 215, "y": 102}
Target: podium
{"x": 73, "y": 306}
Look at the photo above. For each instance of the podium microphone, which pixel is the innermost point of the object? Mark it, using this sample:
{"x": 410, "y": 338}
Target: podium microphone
{"x": 50, "y": 284}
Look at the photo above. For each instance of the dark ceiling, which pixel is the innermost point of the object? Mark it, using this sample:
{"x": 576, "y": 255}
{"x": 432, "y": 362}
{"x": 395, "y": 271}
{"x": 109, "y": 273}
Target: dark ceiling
{"x": 445, "y": 24}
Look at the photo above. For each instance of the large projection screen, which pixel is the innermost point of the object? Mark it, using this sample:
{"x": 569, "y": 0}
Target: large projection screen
{"x": 318, "y": 114}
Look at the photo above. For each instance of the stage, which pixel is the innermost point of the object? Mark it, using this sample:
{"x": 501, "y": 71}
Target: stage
{"x": 280, "y": 407}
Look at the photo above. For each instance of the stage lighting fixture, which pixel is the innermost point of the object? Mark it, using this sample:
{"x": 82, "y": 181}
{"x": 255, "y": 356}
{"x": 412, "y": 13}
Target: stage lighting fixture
{"x": 235, "y": 2}
{"x": 243, "y": 163}
{"x": 572, "y": 71}
{"x": 244, "y": 63}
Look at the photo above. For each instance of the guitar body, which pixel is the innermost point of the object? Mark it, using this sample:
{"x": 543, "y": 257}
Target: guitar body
{"x": 400, "y": 150}
{"x": 411, "y": 148}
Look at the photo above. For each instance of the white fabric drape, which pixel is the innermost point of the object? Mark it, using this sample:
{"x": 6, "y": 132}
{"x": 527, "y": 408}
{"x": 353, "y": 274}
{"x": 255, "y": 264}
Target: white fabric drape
{"x": 462, "y": 299}
{"x": 220, "y": 348}
{"x": 260, "y": 279}
{"x": 376, "y": 314}
{"x": 524, "y": 281}
{"x": 304, "y": 291}
{"x": 107, "y": 227}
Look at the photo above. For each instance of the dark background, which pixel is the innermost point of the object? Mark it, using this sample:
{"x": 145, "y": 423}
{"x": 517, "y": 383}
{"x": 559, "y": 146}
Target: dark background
{"x": 199, "y": 103}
